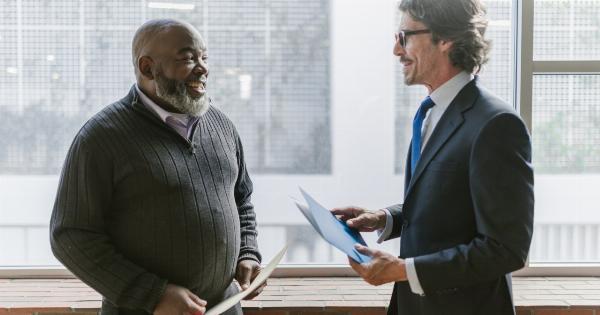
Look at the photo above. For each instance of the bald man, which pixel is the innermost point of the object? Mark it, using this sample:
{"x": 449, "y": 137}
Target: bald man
{"x": 153, "y": 207}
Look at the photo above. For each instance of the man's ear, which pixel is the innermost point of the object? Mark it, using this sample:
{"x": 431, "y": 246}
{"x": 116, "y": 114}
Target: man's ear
{"x": 445, "y": 45}
{"x": 145, "y": 64}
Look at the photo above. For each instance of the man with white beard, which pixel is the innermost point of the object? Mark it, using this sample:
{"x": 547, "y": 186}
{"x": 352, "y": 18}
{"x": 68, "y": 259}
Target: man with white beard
{"x": 153, "y": 207}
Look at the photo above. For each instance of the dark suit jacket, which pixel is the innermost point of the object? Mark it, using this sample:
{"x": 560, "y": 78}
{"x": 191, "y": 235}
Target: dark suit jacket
{"x": 467, "y": 217}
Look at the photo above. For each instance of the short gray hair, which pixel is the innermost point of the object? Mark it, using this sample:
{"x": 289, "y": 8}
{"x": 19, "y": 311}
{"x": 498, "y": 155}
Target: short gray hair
{"x": 462, "y": 22}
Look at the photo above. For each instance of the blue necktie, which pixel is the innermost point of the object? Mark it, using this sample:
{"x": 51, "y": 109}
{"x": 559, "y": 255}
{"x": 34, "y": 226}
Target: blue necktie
{"x": 416, "y": 138}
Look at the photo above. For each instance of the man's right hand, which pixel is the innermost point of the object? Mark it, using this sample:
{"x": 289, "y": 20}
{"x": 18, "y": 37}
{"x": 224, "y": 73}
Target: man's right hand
{"x": 178, "y": 300}
{"x": 361, "y": 219}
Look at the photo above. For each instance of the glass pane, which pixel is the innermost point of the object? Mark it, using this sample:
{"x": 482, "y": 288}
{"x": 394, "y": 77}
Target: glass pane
{"x": 566, "y": 30}
{"x": 64, "y": 60}
{"x": 496, "y": 75}
{"x": 8, "y": 58}
{"x": 566, "y": 158}
{"x": 271, "y": 72}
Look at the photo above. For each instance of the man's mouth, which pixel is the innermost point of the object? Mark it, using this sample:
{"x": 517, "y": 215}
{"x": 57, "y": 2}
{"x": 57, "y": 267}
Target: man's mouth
{"x": 196, "y": 86}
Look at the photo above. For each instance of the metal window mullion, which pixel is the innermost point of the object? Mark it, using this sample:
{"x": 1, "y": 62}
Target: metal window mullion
{"x": 82, "y": 61}
{"x": 566, "y": 67}
{"x": 20, "y": 51}
{"x": 523, "y": 57}
{"x": 268, "y": 141}
{"x": 325, "y": 271}
{"x": 524, "y": 64}
{"x": 558, "y": 270}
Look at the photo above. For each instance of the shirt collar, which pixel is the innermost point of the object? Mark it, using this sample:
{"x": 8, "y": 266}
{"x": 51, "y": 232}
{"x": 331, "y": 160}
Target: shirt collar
{"x": 443, "y": 96}
{"x": 159, "y": 111}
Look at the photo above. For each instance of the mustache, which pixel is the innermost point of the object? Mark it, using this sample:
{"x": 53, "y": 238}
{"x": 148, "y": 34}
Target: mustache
{"x": 201, "y": 78}
{"x": 403, "y": 59}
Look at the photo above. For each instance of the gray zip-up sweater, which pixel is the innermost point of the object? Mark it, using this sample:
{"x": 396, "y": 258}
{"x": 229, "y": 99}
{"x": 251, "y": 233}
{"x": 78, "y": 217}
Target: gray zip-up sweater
{"x": 138, "y": 206}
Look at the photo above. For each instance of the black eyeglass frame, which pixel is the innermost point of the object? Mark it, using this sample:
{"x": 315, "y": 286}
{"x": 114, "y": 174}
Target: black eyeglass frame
{"x": 402, "y": 35}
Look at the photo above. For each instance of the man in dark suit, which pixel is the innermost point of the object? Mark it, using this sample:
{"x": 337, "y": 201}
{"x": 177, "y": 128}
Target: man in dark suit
{"x": 467, "y": 217}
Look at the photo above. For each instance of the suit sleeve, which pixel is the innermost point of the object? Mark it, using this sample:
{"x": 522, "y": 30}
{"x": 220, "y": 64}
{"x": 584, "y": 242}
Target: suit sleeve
{"x": 243, "y": 192}
{"x": 79, "y": 238}
{"x": 398, "y": 221}
{"x": 501, "y": 187}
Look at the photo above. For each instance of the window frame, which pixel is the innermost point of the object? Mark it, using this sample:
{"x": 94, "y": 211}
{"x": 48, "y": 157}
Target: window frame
{"x": 525, "y": 68}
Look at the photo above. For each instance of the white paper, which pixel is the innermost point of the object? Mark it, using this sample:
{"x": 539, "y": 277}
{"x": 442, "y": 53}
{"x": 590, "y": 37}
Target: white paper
{"x": 262, "y": 276}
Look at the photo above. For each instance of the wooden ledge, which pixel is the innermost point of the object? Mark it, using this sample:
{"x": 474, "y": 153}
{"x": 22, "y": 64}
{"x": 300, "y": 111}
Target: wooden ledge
{"x": 309, "y": 295}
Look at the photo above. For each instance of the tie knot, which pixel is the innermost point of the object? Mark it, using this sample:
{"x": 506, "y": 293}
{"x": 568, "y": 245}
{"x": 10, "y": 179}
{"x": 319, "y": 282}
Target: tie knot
{"x": 427, "y": 104}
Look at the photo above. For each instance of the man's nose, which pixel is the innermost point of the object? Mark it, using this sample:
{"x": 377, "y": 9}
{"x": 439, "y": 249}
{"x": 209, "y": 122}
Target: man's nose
{"x": 399, "y": 50}
{"x": 201, "y": 67}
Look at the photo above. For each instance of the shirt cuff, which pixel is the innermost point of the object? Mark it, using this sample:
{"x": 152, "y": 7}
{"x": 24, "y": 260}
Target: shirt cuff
{"x": 413, "y": 279}
{"x": 387, "y": 230}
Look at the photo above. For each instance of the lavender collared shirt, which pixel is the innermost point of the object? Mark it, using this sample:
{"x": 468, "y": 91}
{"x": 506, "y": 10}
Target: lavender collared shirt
{"x": 183, "y": 124}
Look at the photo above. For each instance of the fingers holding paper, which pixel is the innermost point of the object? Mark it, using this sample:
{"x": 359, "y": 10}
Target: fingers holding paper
{"x": 246, "y": 272}
{"x": 383, "y": 268}
{"x": 360, "y": 218}
{"x": 179, "y": 300}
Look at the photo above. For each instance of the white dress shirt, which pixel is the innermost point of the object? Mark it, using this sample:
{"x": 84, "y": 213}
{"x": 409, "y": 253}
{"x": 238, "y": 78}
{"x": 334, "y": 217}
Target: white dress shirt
{"x": 442, "y": 97}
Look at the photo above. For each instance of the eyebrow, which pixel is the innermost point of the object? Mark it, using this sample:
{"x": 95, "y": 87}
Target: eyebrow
{"x": 190, "y": 49}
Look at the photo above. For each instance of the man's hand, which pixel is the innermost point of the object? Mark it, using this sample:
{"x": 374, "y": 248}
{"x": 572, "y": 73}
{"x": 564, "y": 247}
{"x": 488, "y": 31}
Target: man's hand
{"x": 361, "y": 219}
{"x": 245, "y": 273}
{"x": 180, "y": 301}
{"x": 382, "y": 269}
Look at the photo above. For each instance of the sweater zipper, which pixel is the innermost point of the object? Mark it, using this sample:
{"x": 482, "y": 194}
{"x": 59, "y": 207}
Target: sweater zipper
{"x": 190, "y": 145}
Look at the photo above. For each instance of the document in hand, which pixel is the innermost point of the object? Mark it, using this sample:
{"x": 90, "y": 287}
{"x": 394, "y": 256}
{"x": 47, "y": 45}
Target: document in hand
{"x": 262, "y": 277}
{"x": 333, "y": 230}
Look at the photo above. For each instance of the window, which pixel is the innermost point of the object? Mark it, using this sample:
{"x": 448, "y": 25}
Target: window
{"x": 566, "y": 138}
{"x": 62, "y": 61}
{"x": 565, "y": 119}
{"x": 318, "y": 99}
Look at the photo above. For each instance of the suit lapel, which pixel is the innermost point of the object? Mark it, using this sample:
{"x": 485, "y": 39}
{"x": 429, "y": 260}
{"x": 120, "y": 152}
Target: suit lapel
{"x": 450, "y": 121}
{"x": 407, "y": 170}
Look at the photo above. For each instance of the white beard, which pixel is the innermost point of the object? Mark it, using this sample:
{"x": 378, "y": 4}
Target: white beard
{"x": 184, "y": 103}
{"x": 175, "y": 94}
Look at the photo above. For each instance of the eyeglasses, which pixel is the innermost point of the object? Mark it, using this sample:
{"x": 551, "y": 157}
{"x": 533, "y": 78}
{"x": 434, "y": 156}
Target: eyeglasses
{"x": 402, "y": 35}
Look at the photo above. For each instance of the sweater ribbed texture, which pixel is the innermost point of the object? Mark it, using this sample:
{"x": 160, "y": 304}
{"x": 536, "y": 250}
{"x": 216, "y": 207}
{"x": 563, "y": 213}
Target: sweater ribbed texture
{"x": 139, "y": 206}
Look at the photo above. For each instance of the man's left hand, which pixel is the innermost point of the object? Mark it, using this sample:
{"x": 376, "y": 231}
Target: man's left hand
{"x": 383, "y": 267}
{"x": 245, "y": 273}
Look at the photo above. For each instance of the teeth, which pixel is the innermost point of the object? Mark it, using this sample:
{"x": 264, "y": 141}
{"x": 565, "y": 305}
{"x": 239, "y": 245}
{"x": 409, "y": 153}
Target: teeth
{"x": 195, "y": 84}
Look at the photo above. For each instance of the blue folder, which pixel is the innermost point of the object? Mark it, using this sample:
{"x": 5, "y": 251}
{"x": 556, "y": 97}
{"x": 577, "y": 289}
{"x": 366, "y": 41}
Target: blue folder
{"x": 332, "y": 229}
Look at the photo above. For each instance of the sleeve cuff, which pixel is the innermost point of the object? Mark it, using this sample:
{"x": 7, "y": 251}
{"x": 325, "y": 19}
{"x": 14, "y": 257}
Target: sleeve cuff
{"x": 155, "y": 295}
{"x": 413, "y": 279}
{"x": 249, "y": 256}
{"x": 389, "y": 226}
